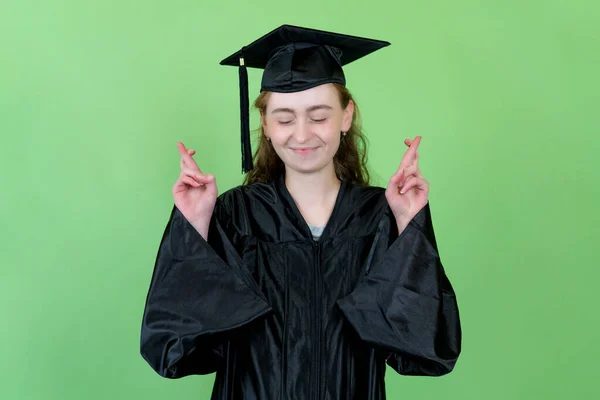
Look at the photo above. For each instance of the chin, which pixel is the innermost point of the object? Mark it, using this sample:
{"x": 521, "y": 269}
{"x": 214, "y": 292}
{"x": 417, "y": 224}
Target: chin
{"x": 308, "y": 166}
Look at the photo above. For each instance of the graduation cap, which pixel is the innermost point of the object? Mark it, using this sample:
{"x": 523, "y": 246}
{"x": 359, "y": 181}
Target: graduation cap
{"x": 294, "y": 59}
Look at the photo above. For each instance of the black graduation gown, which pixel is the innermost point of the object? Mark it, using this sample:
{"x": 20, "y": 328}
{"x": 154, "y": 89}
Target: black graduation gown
{"x": 278, "y": 315}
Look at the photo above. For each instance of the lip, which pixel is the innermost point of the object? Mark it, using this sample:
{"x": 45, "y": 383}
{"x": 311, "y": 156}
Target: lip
{"x": 303, "y": 151}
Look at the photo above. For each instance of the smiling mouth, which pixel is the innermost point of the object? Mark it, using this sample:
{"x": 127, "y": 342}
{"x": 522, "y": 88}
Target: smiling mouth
{"x": 304, "y": 151}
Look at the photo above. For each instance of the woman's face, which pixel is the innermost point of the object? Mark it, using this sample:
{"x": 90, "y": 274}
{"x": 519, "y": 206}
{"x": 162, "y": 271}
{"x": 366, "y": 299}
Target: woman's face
{"x": 305, "y": 127}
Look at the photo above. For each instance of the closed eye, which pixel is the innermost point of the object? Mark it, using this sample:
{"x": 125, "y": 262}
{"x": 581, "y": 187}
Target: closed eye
{"x": 319, "y": 119}
{"x": 285, "y": 122}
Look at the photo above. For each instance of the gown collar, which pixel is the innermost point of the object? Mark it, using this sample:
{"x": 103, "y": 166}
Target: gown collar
{"x": 294, "y": 214}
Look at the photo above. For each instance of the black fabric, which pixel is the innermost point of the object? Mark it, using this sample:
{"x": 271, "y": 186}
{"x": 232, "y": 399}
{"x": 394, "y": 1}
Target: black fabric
{"x": 278, "y": 315}
{"x": 301, "y": 66}
{"x": 295, "y": 58}
{"x": 245, "y": 120}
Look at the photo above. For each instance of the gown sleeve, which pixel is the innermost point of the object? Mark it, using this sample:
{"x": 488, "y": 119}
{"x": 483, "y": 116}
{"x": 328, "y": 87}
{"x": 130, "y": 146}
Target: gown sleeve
{"x": 199, "y": 293}
{"x": 405, "y": 304}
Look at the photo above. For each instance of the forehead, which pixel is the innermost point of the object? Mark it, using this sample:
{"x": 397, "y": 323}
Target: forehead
{"x": 323, "y": 94}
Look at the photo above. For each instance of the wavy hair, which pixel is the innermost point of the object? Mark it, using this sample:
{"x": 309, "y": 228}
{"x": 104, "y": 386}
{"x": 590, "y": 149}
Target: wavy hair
{"x": 350, "y": 161}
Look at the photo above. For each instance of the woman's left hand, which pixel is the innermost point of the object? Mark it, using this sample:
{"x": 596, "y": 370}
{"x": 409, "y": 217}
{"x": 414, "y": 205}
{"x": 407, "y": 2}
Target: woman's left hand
{"x": 407, "y": 191}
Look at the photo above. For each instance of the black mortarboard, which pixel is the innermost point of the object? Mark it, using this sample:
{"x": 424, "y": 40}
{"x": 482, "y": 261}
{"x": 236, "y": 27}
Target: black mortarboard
{"x": 295, "y": 59}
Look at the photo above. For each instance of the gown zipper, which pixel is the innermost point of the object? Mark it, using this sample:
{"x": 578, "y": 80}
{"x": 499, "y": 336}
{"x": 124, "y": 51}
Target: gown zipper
{"x": 317, "y": 312}
{"x": 318, "y": 318}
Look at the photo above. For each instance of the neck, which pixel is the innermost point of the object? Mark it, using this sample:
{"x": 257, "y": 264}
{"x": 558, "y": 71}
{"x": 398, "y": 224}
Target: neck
{"x": 314, "y": 185}
{"x": 314, "y": 193}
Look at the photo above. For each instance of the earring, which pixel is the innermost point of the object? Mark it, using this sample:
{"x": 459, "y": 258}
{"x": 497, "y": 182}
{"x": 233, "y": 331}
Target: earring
{"x": 344, "y": 133}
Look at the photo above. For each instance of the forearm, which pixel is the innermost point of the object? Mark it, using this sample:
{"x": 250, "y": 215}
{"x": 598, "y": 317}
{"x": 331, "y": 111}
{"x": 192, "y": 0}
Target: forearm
{"x": 179, "y": 331}
{"x": 406, "y": 305}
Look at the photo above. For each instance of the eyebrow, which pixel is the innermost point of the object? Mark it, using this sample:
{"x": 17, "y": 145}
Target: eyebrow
{"x": 309, "y": 109}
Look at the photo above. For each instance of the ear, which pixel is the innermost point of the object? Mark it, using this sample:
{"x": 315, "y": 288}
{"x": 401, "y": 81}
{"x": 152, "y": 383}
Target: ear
{"x": 348, "y": 114}
{"x": 263, "y": 122}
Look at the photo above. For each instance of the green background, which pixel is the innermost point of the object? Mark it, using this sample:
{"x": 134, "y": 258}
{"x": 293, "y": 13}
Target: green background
{"x": 95, "y": 94}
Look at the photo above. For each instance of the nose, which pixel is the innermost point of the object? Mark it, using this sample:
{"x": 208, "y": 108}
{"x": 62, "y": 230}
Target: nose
{"x": 302, "y": 133}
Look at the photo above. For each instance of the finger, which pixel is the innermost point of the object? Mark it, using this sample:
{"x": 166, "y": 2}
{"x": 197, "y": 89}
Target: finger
{"x": 187, "y": 158}
{"x": 188, "y": 180}
{"x": 412, "y": 170}
{"x": 206, "y": 178}
{"x": 183, "y": 183}
{"x": 414, "y": 182}
{"x": 413, "y": 149}
{"x": 182, "y": 149}
{"x": 409, "y": 142}
{"x": 191, "y": 152}
{"x": 183, "y": 165}
{"x": 397, "y": 178}
{"x": 394, "y": 183}
{"x": 409, "y": 156}
{"x": 200, "y": 177}
{"x": 407, "y": 172}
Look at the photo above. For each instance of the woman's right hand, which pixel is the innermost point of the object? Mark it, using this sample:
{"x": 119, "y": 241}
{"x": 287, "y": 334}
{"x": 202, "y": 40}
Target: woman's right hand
{"x": 195, "y": 193}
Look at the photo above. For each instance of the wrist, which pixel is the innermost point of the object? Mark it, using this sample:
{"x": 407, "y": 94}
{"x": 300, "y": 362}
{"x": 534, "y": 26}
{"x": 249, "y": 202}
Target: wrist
{"x": 402, "y": 226}
{"x": 401, "y": 222}
{"x": 201, "y": 226}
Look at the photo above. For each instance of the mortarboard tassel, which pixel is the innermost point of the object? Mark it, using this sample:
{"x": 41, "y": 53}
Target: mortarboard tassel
{"x": 244, "y": 118}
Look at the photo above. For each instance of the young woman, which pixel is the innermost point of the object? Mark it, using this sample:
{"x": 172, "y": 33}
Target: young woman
{"x": 305, "y": 282}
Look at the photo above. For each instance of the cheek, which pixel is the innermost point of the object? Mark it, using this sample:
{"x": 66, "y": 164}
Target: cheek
{"x": 280, "y": 135}
{"x": 329, "y": 132}
{"x": 275, "y": 131}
